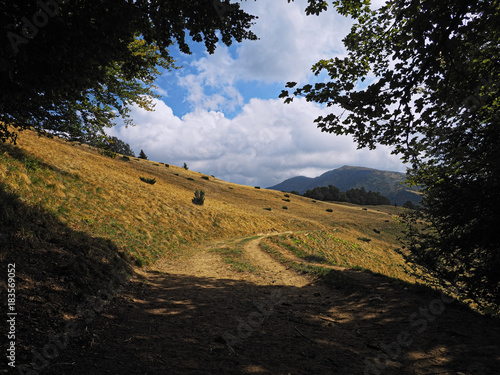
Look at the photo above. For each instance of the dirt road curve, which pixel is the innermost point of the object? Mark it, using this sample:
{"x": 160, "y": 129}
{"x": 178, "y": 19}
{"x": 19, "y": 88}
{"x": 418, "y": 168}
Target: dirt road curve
{"x": 197, "y": 316}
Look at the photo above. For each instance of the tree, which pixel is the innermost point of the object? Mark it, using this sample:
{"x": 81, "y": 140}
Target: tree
{"x": 117, "y": 145}
{"x": 423, "y": 76}
{"x": 73, "y": 67}
{"x": 410, "y": 205}
{"x": 113, "y": 144}
{"x": 142, "y": 155}
{"x": 356, "y": 196}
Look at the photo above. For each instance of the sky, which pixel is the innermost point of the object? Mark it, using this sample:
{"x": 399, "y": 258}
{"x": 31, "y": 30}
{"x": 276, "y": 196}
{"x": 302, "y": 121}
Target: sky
{"x": 221, "y": 115}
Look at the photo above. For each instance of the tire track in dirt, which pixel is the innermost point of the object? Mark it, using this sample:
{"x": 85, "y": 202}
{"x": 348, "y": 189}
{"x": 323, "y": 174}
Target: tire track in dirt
{"x": 364, "y": 278}
{"x": 272, "y": 271}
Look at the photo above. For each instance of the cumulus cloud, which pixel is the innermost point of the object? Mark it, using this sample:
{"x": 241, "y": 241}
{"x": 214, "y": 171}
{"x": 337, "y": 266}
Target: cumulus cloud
{"x": 266, "y": 143}
{"x": 251, "y": 139}
{"x": 290, "y": 43}
{"x": 212, "y": 87}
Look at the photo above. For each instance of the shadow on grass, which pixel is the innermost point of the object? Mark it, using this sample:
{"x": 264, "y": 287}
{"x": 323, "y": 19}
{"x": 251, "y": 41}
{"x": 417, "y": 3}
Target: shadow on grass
{"x": 315, "y": 259}
{"x": 30, "y": 161}
{"x": 60, "y": 273}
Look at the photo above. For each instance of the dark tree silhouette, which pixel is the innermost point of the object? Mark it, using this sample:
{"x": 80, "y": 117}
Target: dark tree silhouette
{"x": 74, "y": 66}
{"x": 431, "y": 91}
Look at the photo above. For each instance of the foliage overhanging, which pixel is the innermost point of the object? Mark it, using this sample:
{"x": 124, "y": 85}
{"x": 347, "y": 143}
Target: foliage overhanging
{"x": 72, "y": 67}
{"x": 423, "y": 76}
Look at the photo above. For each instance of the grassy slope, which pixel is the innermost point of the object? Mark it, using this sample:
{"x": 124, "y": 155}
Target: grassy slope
{"x": 105, "y": 197}
{"x": 74, "y": 220}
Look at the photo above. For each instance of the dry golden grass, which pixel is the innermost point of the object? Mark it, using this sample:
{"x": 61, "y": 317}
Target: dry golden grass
{"x": 342, "y": 248}
{"x": 105, "y": 197}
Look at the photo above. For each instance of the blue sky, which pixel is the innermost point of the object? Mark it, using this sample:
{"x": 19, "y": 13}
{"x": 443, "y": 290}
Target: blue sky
{"x": 221, "y": 114}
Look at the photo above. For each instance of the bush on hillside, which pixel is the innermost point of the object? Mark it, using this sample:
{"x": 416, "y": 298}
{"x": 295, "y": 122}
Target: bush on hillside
{"x": 199, "y": 197}
{"x": 148, "y": 180}
{"x": 108, "y": 153}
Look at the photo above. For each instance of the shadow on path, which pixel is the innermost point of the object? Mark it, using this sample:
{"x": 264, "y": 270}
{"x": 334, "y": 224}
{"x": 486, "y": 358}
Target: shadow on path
{"x": 182, "y": 324}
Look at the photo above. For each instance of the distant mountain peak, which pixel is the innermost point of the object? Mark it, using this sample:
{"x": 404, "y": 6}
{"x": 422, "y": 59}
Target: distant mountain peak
{"x": 388, "y": 183}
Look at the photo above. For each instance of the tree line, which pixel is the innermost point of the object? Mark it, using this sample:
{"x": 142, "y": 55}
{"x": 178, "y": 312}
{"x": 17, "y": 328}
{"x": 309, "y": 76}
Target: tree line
{"x": 355, "y": 195}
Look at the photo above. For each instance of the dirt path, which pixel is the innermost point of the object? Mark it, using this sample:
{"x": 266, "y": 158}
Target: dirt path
{"x": 198, "y": 316}
{"x": 272, "y": 272}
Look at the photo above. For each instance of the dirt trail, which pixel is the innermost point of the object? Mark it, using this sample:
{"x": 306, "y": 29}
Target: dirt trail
{"x": 197, "y": 316}
{"x": 272, "y": 272}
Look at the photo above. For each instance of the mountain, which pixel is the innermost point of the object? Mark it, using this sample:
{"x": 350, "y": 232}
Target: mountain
{"x": 389, "y": 184}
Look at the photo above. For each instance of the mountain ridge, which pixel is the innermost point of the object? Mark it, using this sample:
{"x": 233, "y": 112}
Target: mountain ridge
{"x": 388, "y": 183}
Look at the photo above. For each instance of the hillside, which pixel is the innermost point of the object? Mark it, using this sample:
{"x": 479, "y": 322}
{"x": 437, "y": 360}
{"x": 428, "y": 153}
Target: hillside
{"x": 109, "y": 268}
{"x": 389, "y": 184}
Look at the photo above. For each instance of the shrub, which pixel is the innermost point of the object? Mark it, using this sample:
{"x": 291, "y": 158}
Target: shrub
{"x": 185, "y": 166}
{"x": 205, "y": 178}
{"x": 125, "y": 158}
{"x": 142, "y": 155}
{"x": 257, "y": 187}
{"x": 329, "y": 210}
{"x": 199, "y": 197}
{"x": 286, "y": 199}
{"x": 167, "y": 165}
{"x": 267, "y": 208}
{"x": 376, "y": 231}
{"x": 148, "y": 180}
{"x": 365, "y": 239}
{"x": 285, "y": 207}
{"x": 287, "y": 196}
{"x": 108, "y": 153}
{"x": 190, "y": 178}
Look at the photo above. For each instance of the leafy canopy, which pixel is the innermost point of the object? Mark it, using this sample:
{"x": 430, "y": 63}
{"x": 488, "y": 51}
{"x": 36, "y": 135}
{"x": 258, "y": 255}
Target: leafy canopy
{"x": 72, "y": 67}
{"x": 423, "y": 76}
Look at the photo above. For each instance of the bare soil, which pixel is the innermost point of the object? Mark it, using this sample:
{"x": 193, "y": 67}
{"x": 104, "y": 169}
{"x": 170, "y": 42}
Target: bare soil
{"x": 198, "y": 316}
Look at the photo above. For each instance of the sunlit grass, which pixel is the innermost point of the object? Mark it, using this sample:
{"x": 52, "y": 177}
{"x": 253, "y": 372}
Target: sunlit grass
{"x": 342, "y": 248}
{"x": 105, "y": 197}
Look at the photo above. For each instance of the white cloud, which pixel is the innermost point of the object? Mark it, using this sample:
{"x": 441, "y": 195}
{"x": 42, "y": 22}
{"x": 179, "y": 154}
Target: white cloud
{"x": 212, "y": 87}
{"x": 264, "y": 141}
{"x": 265, "y": 144}
{"x": 290, "y": 43}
